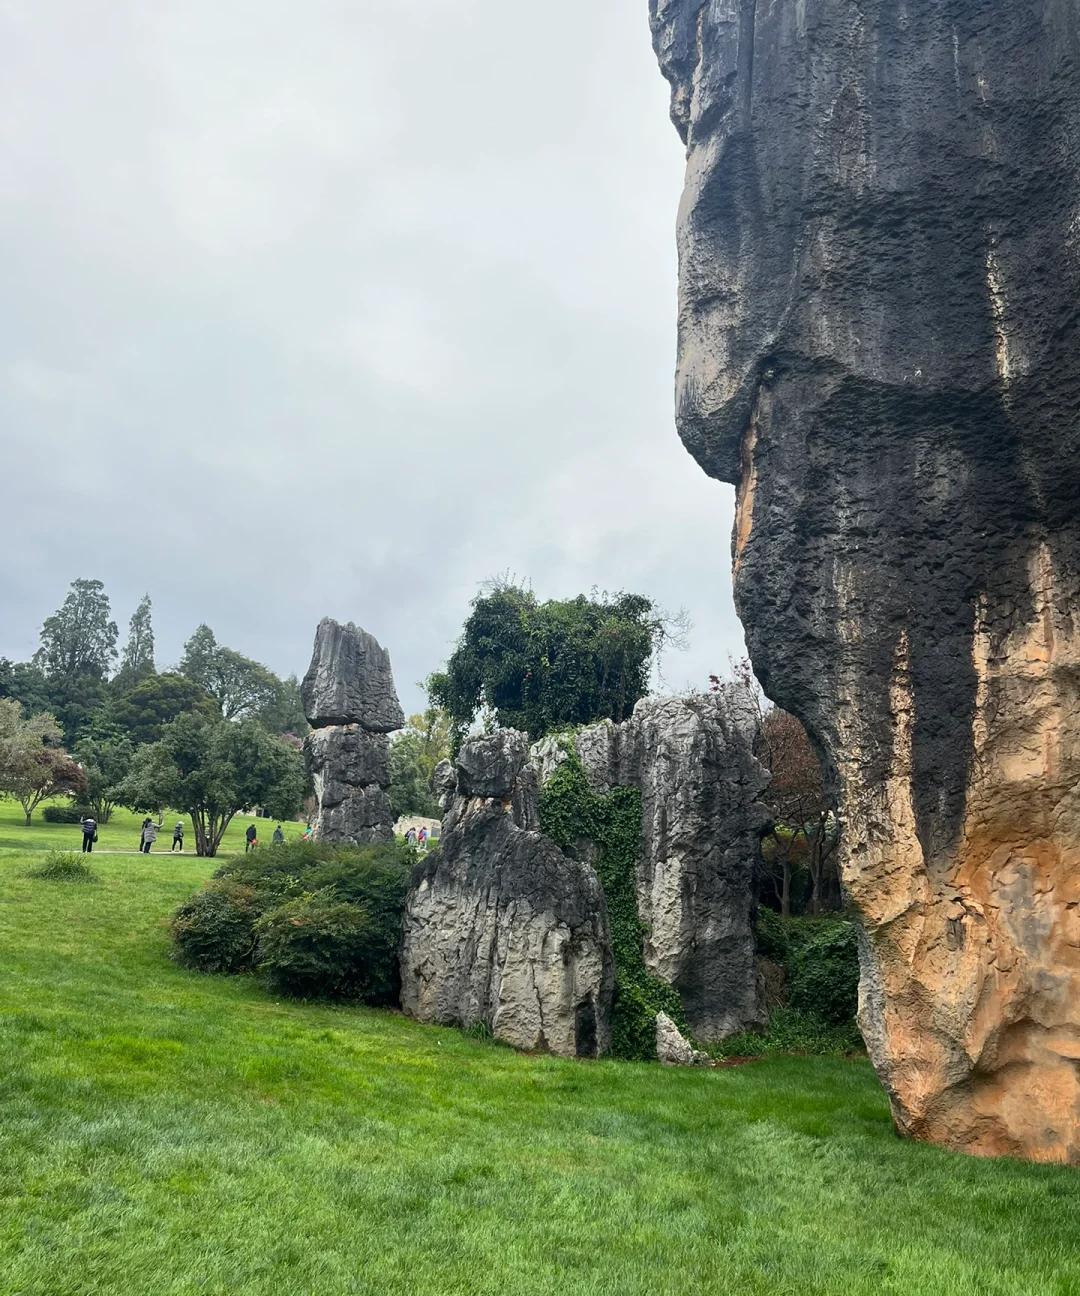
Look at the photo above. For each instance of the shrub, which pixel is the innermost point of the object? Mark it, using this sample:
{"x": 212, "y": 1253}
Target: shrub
{"x": 214, "y": 931}
{"x": 317, "y": 919}
{"x": 63, "y": 866}
{"x": 791, "y": 1031}
{"x": 64, "y": 814}
{"x": 823, "y": 972}
{"x": 318, "y": 945}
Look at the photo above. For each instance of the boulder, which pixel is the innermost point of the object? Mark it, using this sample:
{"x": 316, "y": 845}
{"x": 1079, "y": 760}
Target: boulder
{"x": 347, "y": 756}
{"x": 350, "y": 681}
{"x": 878, "y": 345}
{"x": 672, "y": 1046}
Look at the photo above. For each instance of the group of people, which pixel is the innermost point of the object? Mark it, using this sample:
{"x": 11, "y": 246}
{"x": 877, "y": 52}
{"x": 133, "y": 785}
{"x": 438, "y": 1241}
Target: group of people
{"x": 148, "y": 834}
{"x": 417, "y": 839}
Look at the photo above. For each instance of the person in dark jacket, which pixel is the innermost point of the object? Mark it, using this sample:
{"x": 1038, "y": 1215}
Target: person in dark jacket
{"x": 251, "y": 838}
{"x": 178, "y": 837}
{"x": 89, "y": 834}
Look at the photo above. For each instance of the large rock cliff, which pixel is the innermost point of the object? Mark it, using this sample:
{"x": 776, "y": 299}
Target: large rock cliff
{"x": 503, "y": 927}
{"x": 879, "y": 250}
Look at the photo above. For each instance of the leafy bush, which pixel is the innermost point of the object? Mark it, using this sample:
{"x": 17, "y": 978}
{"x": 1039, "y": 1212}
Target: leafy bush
{"x": 63, "y": 866}
{"x": 214, "y": 931}
{"x": 316, "y": 919}
{"x": 318, "y": 945}
{"x": 791, "y": 1031}
{"x": 65, "y": 814}
{"x": 823, "y": 972}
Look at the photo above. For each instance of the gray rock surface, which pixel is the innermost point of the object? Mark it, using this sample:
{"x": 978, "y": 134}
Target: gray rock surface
{"x": 672, "y": 1046}
{"x": 878, "y": 345}
{"x": 692, "y": 760}
{"x": 348, "y": 758}
{"x": 505, "y": 929}
{"x": 350, "y": 681}
{"x": 501, "y": 927}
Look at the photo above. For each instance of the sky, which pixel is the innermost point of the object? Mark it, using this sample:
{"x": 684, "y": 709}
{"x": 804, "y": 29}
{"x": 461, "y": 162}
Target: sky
{"x": 342, "y": 308}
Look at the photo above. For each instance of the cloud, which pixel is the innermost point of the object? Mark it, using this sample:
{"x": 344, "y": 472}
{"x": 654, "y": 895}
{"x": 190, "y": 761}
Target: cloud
{"x": 343, "y": 309}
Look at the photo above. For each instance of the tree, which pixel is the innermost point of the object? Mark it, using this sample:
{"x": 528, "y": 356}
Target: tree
{"x": 137, "y": 661}
{"x": 143, "y": 711}
{"x": 79, "y": 639}
{"x": 414, "y": 753}
{"x": 105, "y": 761}
{"x": 546, "y": 666}
{"x": 26, "y": 683}
{"x": 284, "y": 713}
{"x": 32, "y": 767}
{"x": 241, "y": 687}
{"x": 805, "y": 830}
{"x": 211, "y": 769}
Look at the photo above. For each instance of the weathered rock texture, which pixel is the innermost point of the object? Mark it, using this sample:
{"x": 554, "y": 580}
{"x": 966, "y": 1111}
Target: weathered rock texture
{"x": 501, "y": 928}
{"x": 880, "y": 277}
{"x": 692, "y": 761}
{"x": 505, "y": 929}
{"x": 350, "y": 700}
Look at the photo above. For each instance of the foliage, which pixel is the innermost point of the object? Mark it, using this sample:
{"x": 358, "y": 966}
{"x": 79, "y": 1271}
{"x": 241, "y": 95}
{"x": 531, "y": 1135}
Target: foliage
{"x": 570, "y": 812}
{"x": 283, "y": 713}
{"x": 105, "y": 762}
{"x": 79, "y": 639}
{"x": 414, "y": 754}
{"x": 318, "y": 920}
{"x": 542, "y": 667}
{"x": 241, "y": 687}
{"x": 137, "y": 661}
{"x": 214, "y": 930}
{"x": 27, "y": 684}
{"x": 142, "y": 711}
{"x": 260, "y": 1148}
{"x": 32, "y": 766}
{"x": 65, "y": 813}
{"x": 211, "y": 770}
{"x": 63, "y": 866}
{"x": 823, "y": 971}
{"x": 791, "y": 1031}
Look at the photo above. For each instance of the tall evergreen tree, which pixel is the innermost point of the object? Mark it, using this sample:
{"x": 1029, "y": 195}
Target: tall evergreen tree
{"x": 137, "y": 661}
{"x": 79, "y": 640}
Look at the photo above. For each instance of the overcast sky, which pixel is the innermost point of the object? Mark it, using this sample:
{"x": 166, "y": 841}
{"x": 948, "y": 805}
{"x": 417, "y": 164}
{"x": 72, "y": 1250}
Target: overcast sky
{"x": 342, "y": 307}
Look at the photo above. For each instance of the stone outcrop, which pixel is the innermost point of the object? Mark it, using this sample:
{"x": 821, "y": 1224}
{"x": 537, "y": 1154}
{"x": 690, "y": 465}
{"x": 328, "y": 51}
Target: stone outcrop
{"x": 879, "y": 278}
{"x": 350, "y": 701}
{"x": 501, "y": 928}
{"x": 672, "y": 1046}
{"x": 504, "y": 928}
{"x": 692, "y": 761}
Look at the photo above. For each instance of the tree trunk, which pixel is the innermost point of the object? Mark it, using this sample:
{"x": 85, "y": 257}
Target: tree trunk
{"x": 785, "y": 889}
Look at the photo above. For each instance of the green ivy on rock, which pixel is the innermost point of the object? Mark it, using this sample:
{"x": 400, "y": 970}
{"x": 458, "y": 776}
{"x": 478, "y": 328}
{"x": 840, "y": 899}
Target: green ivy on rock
{"x": 570, "y": 814}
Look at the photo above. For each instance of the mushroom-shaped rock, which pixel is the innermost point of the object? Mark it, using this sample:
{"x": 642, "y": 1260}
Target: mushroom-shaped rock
{"x": 350, "y": 681}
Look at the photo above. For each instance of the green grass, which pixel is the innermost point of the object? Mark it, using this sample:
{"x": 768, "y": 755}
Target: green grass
{"x": 167, "y": 1133}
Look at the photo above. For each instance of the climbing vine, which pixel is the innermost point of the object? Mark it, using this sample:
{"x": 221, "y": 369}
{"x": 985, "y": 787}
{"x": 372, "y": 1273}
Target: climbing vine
{"x": 570, "y": 814}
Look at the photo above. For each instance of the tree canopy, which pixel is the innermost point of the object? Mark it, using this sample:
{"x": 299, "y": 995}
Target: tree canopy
{"x": 241, "y": 687}
{"x": 212, "y": 769}
{"x": 143, "y": 710}
{"x": 32, "y": 765}
{"x": 79, "y": 639}
{"x": 414, "y": 753}
{"x": 137, "y": 661}
{"x": 546, "y": 666}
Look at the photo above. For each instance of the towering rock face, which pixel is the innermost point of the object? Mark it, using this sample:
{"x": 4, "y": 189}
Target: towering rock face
{"x": 504, "y": 928}
{"x": 880, "y": 275}
{"x": 350, "y": 701}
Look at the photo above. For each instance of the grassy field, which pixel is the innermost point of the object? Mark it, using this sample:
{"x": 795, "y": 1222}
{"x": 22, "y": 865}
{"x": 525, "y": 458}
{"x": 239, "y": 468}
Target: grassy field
{"x": 167, "y": 1133}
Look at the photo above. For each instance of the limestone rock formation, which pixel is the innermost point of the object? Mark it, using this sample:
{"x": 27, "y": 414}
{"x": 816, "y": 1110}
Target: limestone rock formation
{"x": 504, "y": 928}
{"x": 350, "y": 681}
{"x": 879, "y": 288}
{"x": 501, "y": 927}
{"x": 692, "y": 760}
{"x": 672, "y": 1046}
{"x": 350, "y": 700}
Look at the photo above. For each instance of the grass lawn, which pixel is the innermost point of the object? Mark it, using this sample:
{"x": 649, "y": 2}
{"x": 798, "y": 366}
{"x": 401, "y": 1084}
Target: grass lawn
{"x": 163, "y": 1132}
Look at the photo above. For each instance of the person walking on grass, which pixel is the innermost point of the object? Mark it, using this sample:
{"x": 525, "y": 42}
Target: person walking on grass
{"x": 178, "y": 837}
{"x": 89, "y": 834}
{"x": 278, "y": 838}
{"x": 148, "y": 836}
{"x": 251, "y": 838}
